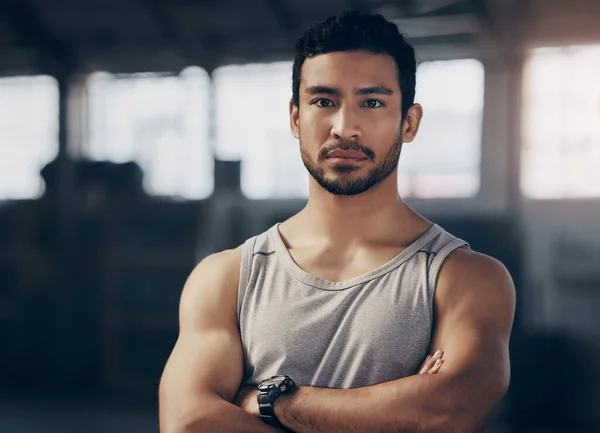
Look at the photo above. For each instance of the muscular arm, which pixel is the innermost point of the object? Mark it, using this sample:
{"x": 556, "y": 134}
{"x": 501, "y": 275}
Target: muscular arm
{"x": 475, "y": 309}
{"x": 205, "y": 368}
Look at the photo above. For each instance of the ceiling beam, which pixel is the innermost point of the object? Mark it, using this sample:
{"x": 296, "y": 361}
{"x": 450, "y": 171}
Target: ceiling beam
{"x": 359, "y": 5}
{"x": 164, "y": 22}
{"x": 445, "y": 25}
{"x": 455, "y": 7}
{"x": 162, "y": 15}
{"x": 413, "y": 8}
{"x": 483, "y": 13}
{"x": 458, "y": 39}
{"x": 52, "y": 54}
{"x": 286, "y": 18}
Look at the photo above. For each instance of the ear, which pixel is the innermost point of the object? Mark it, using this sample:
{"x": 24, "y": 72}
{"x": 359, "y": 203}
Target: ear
{"x": 294, "y": 119}
{"x": 411, "y": 123}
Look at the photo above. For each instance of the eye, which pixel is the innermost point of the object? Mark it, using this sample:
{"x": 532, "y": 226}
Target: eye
{"x": 373, "y": 103}
{"x": 323, "y": 103}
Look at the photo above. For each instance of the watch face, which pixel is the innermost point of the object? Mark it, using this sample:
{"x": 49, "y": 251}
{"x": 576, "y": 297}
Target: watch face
{"x": 270, "y": 382}
{"x": 273, "y": 382}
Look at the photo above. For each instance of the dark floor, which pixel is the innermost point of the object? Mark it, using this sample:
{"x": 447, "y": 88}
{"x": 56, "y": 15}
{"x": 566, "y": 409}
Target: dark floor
{"x": 74, "y": 416}
{"x": 62, "y": 415}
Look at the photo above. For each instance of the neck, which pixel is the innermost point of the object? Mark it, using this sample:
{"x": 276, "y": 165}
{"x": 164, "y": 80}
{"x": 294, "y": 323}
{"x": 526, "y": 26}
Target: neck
{"x": 363, "y": 217}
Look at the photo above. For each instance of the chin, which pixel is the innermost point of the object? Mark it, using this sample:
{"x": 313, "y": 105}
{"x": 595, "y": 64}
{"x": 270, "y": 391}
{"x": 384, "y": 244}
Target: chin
{"x": 343, "y": 170}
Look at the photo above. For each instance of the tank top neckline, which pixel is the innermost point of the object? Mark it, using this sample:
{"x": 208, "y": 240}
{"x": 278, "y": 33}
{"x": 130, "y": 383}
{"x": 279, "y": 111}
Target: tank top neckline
{"x": 323, "y": 284}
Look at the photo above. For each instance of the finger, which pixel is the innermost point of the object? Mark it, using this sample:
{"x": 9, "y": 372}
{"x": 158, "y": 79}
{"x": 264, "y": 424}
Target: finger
{"x": 430, "y": 362}
{"x": 427, "y": 364}
{"x": 436, "y": 367}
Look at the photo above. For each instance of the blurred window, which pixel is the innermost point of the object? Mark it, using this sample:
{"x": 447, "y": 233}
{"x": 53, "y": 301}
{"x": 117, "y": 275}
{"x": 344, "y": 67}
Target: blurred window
{"x": 28, "y": 134}
{"x": 253, "y": 125}
{"x": 160, "y": 122}
{"x": 444, "y": 159}
{"x": 561, "y": 123}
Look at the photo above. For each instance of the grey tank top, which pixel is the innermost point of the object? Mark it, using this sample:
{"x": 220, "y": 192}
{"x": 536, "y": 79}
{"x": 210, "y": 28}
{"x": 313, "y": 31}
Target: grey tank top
{"x": 370, "y": 329}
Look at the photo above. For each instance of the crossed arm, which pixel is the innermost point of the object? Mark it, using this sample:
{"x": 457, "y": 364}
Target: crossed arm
{"x": 474, "y": 311}
{"x": 204, "y": 370}
{"x": 475, "y": 307}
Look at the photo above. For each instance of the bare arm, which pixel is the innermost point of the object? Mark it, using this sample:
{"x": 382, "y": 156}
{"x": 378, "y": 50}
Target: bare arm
{"x": 475, "y": 308}
{"x": 205, "y": 368}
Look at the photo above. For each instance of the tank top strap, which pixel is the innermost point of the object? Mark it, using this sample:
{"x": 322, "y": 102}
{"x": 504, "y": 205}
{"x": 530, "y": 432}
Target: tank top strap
{"x": 440, "y": 249}
{"x": 245, "y": 270}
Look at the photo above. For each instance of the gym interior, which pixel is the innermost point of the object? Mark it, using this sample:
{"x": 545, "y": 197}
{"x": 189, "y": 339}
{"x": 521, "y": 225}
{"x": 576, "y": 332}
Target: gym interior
{"x": 139, "y": 136}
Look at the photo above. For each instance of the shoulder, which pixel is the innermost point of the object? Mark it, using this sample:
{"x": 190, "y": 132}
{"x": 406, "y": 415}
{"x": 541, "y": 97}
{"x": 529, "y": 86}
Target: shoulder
{"x": 223, "y": 266}
{"x": 466, "y": 265}
{"x": 476, "y": 282}
{"x": 213, "y": 282}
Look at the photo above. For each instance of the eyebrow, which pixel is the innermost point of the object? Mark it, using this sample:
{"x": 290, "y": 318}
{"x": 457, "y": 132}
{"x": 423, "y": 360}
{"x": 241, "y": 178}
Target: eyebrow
{"x": 320, "y": 90}
{"x": 373, "y": 90}
{"x": 377, "y": 90}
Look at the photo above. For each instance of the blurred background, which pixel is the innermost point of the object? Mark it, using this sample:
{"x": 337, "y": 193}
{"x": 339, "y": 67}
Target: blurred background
{"x": 139, "y": 136}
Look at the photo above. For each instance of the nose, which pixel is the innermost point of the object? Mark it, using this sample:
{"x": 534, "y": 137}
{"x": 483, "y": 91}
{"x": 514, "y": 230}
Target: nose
{"x": 346, "y": 125}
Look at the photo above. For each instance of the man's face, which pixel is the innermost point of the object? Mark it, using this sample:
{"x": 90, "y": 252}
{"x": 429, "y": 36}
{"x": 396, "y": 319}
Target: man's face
{"x": 349, "y": 120}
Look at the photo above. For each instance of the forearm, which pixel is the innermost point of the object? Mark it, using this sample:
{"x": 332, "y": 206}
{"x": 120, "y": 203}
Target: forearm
{"x": 416, "y": 404}
{"x": 220, "y": 416}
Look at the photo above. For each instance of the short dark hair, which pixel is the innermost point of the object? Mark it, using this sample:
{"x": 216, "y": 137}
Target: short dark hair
{"x": 356, "y": 31}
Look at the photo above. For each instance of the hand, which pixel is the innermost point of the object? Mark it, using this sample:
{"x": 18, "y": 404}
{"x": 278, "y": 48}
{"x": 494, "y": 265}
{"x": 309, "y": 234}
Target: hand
{"x": 432, "y": 363}
{"x": 246, "y": 399}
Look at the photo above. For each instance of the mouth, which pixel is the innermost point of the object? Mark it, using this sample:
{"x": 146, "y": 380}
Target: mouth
{"x": 346, "y": 155}
{"x": 345, "y": 160}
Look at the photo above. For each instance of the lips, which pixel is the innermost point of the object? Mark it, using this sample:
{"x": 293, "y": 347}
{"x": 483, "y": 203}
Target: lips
{"x": 346, "y": 154}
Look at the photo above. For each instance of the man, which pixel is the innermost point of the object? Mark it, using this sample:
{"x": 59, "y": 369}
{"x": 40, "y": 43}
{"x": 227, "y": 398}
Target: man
{"x": 332, "y": 313}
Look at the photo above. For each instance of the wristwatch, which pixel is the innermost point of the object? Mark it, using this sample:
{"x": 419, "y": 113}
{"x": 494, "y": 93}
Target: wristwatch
{"x": 268, "y": 390}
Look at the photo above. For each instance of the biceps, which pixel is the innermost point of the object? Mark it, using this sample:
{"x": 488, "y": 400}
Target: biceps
{"x": 477, "y": 354}
{"x": 200, "y": 368}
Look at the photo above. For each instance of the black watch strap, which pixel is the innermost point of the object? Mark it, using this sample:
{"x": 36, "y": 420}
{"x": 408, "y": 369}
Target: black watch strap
{"x": 266, "y": 403}
{"x": 267, "y": 395}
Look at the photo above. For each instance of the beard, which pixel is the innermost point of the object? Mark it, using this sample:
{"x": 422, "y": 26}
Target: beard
{"x": 346, "y": 184}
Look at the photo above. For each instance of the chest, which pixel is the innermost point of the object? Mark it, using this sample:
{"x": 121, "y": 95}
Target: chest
{"x": 367, "y": 334}
{"x": 336, "y": 265}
